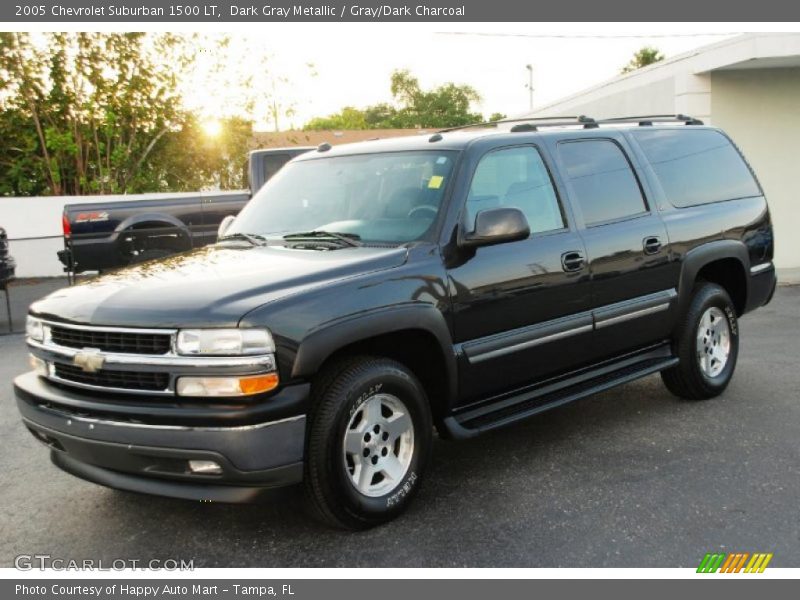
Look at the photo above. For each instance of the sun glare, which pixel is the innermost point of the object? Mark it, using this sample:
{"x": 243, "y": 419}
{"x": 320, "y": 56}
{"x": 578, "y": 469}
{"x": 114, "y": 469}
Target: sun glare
{"x": 212, "y": 128}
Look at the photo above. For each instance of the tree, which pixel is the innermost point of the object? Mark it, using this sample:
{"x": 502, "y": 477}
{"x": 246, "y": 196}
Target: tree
{"x": 95, "y": 113}
{"x": 347, "y": 118}
{"x": 643, "y": 57}
{"x": 448, "y": 105}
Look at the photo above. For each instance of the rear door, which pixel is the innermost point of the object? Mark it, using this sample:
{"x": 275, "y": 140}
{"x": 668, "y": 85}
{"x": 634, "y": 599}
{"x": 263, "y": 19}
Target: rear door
{"x": 519, "y": 313}
{"x": 634, "y": 280}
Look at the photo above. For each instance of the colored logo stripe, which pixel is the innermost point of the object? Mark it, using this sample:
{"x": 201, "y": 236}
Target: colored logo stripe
{"x": 758, "y": 563}
{"x": 710, "y": 563}
{"x": 734, "y": 562}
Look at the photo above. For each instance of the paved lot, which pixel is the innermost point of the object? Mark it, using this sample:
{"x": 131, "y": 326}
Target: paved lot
{"x": 629, "y": 478}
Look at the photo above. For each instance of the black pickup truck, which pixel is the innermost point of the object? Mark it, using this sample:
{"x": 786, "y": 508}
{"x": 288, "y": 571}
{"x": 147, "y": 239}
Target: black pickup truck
{"x": 371, "y": 292}
{"x": 100, "y": 236}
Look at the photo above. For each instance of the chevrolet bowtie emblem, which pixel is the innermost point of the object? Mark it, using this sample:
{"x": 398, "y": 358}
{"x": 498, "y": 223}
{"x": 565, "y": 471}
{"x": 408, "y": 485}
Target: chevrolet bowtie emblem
{"x": 89, "y": 361}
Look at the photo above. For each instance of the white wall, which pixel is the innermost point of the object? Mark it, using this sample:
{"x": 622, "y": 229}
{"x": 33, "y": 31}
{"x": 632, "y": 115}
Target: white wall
{"x": 760, "y": 109}
{"x": 33, "y": 225}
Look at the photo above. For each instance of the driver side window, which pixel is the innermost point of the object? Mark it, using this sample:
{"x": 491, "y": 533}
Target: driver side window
{"x": 515, "y": 178}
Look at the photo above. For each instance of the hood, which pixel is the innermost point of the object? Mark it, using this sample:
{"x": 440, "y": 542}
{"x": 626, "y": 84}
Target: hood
{"x": 213, "y": 286}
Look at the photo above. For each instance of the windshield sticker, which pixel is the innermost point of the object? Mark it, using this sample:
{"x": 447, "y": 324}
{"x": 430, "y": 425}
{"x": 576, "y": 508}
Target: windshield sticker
{"x": 435, "y": 182}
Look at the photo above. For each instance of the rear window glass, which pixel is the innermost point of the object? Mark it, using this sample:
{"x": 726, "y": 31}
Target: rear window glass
{"x": 697, "y": 166}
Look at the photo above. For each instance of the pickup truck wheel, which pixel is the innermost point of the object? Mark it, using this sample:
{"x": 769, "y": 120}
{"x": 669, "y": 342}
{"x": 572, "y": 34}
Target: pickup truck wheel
{"x": 369, "y": 439}
{"x": 707, "y": 343}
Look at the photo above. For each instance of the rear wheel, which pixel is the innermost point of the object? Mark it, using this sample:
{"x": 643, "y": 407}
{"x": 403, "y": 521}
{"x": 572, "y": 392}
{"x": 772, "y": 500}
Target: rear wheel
{"x": 707, "y": 344}
{"x": 369, "y": 438}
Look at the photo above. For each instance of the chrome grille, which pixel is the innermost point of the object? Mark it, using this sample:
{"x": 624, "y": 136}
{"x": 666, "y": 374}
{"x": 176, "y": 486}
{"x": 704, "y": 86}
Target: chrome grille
{"x": 128, "y": 380}
{"x": 111, "y": 341}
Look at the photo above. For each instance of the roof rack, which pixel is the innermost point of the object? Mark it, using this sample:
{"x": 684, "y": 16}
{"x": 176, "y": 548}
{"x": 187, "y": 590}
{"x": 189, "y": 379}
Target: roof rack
{"x": 646, "y": 120}
{"x": 534, "y": 123}
{"x": 501, "y": 121}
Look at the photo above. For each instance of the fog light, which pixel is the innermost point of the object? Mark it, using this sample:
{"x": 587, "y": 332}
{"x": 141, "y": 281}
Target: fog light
{"x": 38, "y": 365}
{"x": 227, "y": 386}
{"x": 204, "y": 467}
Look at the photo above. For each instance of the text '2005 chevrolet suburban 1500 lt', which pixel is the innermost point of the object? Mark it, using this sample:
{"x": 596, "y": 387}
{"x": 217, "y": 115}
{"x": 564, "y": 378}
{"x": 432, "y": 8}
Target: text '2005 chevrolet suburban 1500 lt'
{"x": 372, "y": 292}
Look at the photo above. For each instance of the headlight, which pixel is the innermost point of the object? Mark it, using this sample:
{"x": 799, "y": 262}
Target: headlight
{"x": 34, "y": 329}
{"x": 224, "y": 342}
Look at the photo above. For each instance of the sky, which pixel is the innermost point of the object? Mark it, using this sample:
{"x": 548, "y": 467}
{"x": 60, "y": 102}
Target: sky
{"x": 319, "y": 68}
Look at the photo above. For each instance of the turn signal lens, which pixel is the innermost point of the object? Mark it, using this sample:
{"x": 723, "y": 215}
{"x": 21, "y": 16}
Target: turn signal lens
{"x": 227, "y": 386}
{"x": 38, "y": 365}
{"x": 258, "y": 385}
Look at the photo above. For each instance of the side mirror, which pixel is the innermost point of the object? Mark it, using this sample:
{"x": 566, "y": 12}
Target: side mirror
{"x": 496, "y": 226}
{"x": 225, "y": 225}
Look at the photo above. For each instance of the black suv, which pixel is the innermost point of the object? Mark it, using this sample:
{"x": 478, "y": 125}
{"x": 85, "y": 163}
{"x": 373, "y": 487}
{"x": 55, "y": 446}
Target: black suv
{"x": 371, "y": 292}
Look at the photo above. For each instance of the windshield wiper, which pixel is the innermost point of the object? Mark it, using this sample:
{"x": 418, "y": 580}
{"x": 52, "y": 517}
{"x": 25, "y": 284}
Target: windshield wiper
{"x": 351, "y": 239}
{"x": 253, "y": 238}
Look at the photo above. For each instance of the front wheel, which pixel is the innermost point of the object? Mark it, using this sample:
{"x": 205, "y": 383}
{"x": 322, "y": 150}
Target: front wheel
{"x": 707, "y": 344}
{"x": 369, "y": 438}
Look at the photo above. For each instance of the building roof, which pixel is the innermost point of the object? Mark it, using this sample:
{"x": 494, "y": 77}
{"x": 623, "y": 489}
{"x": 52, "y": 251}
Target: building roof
{"x": 280, "y": 139}
{"x": 748, "y": 51}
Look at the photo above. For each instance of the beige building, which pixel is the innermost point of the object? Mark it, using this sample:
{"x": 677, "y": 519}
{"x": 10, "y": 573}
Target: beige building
{"x": 750, "y": 87}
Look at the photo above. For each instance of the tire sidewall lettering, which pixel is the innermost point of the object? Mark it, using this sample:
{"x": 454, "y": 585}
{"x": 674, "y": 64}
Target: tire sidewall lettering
{"x": 396, "y": 498}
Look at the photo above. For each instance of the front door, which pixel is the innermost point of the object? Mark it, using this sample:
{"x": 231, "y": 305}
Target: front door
{"x": 521, "y": 309}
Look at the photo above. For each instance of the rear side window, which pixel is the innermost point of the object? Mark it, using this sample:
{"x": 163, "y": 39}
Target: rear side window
{"x": 602, "y": 180}
{"x": 697, "y": 166}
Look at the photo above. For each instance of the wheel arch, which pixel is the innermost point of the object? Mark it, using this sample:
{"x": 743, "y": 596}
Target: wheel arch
{"x": 724, "y": 262}
{"x": 162, "y": 219}
{"x": 414, "y": 335}
{"x": 158, "y": 221}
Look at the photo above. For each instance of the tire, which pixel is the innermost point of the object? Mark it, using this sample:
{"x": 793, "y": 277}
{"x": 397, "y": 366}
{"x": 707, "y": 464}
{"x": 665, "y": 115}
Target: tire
{"x": 707, "y": 344}
{"x": 369, "y": 439}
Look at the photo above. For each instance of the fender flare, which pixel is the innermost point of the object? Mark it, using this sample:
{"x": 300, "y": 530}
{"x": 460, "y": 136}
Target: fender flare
{"x": 152, "y": 217}
{"x": 700, "y": 256}
{"x": 321, "y": 343}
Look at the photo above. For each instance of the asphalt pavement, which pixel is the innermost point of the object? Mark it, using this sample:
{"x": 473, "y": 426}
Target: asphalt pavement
{"x": 632, "y": 477}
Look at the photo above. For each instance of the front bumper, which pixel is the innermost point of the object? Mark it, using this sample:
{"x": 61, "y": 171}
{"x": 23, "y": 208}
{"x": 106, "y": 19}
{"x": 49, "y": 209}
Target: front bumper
{"x": 153, "y": 458}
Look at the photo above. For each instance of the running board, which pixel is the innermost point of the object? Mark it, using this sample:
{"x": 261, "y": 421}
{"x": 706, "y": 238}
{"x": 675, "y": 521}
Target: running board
{"x": 533, "y": 401}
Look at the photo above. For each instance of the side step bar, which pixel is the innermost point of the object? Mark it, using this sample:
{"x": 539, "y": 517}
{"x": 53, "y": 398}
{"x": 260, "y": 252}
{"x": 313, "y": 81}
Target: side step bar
{"x": 550, "y": 395}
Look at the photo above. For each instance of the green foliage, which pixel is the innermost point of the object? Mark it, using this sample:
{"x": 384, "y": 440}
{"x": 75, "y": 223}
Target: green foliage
{"x": 643, "y": 57}
{"x": 97, "y": 113}
{"x": 448, "y": 105}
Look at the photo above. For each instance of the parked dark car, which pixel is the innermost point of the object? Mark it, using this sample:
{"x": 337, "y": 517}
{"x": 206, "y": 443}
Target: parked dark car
{"x": 371, "y": 292}
{"x": 7, "y": 270}
{"x": 8, "y": 265}
{"x": 100, "y": 236}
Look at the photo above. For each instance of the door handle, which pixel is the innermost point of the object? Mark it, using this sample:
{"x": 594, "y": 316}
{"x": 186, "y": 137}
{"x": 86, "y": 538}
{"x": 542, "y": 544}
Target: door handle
{"x": 572, "y": 261}
{"x": 651, "y": 244}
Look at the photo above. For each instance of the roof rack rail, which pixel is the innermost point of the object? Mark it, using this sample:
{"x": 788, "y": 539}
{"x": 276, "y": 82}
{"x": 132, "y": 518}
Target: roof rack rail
{"x": 645, "y": 120}
{"x": 500, "y": 122}
{"x": 534, "y": 123}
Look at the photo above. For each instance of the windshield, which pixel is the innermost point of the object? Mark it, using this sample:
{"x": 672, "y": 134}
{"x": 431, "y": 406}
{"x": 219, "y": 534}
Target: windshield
{"x": 393, "y": 197}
